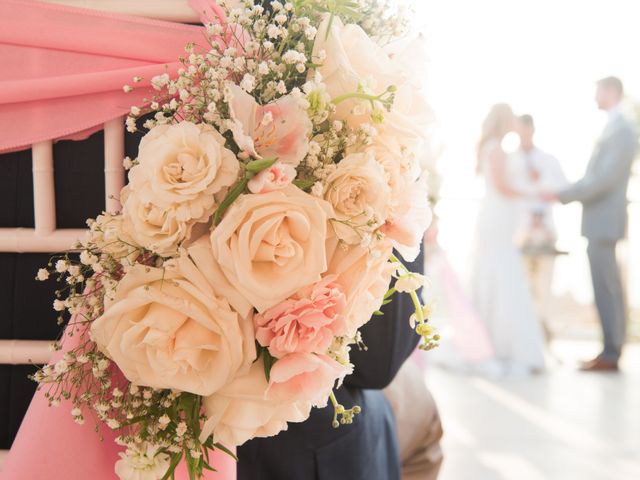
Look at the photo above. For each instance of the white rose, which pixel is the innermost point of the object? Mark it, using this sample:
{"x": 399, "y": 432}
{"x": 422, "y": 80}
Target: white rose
{"x": 242, "y": 410}
{"x": 401, "y": 167}
{"x": 171, "y": 328}
{"x": 354, "y": 63}
{"x": 365, "y": 274}
{"x": 156, "y": 228}
{"x": 359, "y": 194}
{"x": 269, "y": 245}
{"x": 182, "y": 169}
{"x": 108, "y": 234}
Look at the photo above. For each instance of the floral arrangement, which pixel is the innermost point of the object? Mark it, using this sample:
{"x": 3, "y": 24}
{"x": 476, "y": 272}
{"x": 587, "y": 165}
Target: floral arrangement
{"x": 279, "y": 171}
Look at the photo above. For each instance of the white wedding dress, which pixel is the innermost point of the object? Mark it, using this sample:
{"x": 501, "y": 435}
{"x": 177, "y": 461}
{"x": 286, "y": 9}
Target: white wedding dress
{"x": 499, "y": 283}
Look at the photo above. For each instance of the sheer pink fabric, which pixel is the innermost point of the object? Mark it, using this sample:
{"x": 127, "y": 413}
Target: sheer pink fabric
{"x": 63, "y": 68}
{"x": 50, "y": 445}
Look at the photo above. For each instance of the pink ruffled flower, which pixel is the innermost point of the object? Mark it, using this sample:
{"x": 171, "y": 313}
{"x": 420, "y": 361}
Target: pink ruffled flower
{"x": 305, "y": 377}
{"x": 307, "y": 322}
{"x": 278, "y": 176}
{"x": 279, "y": 129}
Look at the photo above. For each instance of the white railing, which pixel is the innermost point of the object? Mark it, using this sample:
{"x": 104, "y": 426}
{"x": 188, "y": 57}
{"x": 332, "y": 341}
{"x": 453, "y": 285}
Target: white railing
{"x": 25, "y": 352}
{"x": 45, "y": 237}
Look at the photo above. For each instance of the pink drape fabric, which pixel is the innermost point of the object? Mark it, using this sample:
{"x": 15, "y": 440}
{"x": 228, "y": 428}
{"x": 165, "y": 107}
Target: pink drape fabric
{"x": 61, "y": 75}
{"x": 471, "y": 338}
{"x": 51, "y": 446}
{"x": 62, "y": 68}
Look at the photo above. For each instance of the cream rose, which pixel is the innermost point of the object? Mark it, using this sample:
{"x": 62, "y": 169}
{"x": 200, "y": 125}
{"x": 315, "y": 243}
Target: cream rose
{"x": 365, "y": 274}
{"x": 181, "y": 170}
{"x": 400, "y": 165}
{"x": 270, "y": 245}
{"x": 151, "y": 226}
{"x": 242, "y": 410}
{"x": 107, "y": 234}
{"x": 354, "y": 62}
{"x": 359, "y": 194}
{"x": 170, "y": 328}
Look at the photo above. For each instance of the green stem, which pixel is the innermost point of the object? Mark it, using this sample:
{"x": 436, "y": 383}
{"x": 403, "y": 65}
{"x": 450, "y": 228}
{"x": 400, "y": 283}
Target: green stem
{"x": 418, "y": 306}
{"x": 253, "y": 168}
{"x": 359, "y": 95}
{"x": 395, "y": 259}
{"x": 334, "y": 400}
{"x": 229, "y": 199}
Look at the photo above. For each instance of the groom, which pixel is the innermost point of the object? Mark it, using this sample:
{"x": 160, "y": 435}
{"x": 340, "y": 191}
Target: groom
{"x": 603, "y": 194}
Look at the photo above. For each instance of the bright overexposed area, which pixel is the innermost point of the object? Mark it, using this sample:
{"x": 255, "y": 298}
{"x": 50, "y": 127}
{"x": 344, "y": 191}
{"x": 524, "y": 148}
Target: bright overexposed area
{"x": 542, "y": 57}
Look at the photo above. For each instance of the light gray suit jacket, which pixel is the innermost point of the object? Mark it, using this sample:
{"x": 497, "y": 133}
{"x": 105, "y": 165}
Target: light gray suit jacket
{"x": 603, "y": 189}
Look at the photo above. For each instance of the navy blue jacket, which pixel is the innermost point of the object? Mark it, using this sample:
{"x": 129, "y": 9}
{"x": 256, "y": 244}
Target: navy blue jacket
{"x": 368, "y": 448}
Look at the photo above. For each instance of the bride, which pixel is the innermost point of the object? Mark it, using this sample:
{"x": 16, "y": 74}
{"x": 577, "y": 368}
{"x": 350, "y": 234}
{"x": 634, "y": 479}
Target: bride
{"x": 499, "y": 284}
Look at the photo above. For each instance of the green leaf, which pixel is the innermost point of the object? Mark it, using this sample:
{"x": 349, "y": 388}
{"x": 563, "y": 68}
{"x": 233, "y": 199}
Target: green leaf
{"x": 377, "y": 313}
{"x": 231, "y": 197}
{"x": 387, "y": 301}
{"x": 206, "y": 466}
{"x": 269, "y": 361}
{"x": 390, "y": 292}
{"x": 192, "y": 466}
{"x": 221, "y": 447}
{"x": 257, "y": 166}
{"x": 175, "y": 460}
{"x": 303, "y": 184}
{"x": 209, "y": 442}
{"x": 133, "y": 421}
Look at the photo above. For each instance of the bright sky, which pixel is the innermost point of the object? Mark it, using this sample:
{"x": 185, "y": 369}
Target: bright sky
{"x": 542, "y": 57}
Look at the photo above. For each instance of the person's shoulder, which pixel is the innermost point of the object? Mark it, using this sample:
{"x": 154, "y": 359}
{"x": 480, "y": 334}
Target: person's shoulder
{"x": 624, "y": 127}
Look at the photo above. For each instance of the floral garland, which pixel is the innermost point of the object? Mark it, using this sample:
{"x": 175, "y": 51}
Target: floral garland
{"x": 278, "y": 173}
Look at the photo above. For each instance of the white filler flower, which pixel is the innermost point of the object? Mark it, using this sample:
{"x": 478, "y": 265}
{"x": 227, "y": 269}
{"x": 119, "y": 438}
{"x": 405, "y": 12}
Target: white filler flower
{"x": 142, "y": 462}
{"x": 409, "y": 282}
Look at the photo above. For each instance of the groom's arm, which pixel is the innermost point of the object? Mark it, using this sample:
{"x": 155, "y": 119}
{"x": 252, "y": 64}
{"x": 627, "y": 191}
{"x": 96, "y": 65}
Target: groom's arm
{"x": 389, "y": 340}
{"x": 610, "y": 170}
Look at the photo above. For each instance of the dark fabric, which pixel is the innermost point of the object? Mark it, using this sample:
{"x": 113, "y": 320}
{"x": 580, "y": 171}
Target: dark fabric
{"x": 26, "y": 304}
{"x": 15, "y": 395}
{"x": 16, "y": 190}
{"x": 5, "y": 392}
{"x": 368, "y": 448}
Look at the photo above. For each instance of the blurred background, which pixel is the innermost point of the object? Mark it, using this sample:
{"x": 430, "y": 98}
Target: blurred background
{"x": 543, "y": 58}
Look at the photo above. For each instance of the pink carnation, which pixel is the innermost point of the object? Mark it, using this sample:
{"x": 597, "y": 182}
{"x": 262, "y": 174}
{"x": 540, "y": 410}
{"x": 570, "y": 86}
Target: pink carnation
{"x": 305, "y": 377}
{"x": 306, "y": 322}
